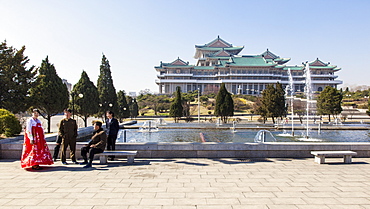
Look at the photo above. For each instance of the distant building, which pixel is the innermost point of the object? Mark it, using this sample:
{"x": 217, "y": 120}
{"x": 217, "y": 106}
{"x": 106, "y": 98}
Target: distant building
{"x": 69, "y": 85}
{"x": 219, "y": 62}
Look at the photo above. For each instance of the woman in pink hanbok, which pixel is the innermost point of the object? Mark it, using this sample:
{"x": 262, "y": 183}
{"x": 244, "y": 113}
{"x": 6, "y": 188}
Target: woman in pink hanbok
{"x": 35, "y": 150}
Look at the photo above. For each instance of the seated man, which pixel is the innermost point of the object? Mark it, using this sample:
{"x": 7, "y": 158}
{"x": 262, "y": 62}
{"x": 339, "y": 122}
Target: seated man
{"x": 96, "y": 145}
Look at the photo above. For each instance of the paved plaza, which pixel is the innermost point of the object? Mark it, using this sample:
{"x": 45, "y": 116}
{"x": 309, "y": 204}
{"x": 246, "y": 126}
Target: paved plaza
{"x": 189, "y": 184}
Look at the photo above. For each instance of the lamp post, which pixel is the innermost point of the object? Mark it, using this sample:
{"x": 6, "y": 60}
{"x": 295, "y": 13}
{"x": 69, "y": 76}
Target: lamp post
{"x": 81, "y": 96}
{"x": 73, "y": 104}
{"x": 198, "y": 106}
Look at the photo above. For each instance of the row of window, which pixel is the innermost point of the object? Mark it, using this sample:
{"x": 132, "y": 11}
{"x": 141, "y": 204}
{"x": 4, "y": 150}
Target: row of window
{"x": 250, "y": 72}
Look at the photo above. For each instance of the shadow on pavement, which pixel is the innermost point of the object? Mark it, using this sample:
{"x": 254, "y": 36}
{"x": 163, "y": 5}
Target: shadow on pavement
{"x": 242, "y": 160}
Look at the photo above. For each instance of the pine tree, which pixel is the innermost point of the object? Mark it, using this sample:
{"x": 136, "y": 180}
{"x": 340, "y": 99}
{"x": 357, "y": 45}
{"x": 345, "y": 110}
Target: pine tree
{"x": 273, "y": 102}
{"x": 281, "y": 109}
{"x": 85, "y": 98}
{"x": 106, "y": 90}
{"x": 15, "y": 79}
{"x": 329, "y": 102}
{"x": 123, "y": 107}
{"x": 49, "y": 95}
{"x": 224, "y": 104}
{"x": 176, "y": 109}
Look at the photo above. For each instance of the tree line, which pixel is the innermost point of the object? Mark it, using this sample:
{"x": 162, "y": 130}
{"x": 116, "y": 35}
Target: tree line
{"x": 23, "y": 88}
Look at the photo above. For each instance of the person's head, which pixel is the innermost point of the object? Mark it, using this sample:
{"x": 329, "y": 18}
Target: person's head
{"x": 109, "y": 114}
{"x": 97, "y": 124}
{"x": 67, "y": 113}
{"x": 35, "y": 113}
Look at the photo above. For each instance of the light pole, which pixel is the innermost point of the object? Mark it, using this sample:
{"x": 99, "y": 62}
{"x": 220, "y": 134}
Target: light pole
{"x": 73, "y": 104}
{"x": 198, "y": 106}
{"x": 81, "y": 96}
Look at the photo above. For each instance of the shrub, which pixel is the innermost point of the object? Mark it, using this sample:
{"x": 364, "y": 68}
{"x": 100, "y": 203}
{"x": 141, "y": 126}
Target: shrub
{"x": 9, "y": 124}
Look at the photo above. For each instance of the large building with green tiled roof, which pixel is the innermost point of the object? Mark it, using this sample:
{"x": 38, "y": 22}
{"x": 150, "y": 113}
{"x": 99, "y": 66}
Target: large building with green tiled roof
{"x": 218, "y": 62}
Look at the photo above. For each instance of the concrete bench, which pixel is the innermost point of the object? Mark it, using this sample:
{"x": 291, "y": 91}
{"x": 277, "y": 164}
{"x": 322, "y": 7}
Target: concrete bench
{"x": 320, "y": 155}
{"x": 130, "y": 155}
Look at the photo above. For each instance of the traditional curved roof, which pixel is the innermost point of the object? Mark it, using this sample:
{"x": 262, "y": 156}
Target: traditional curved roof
{"x": 271, "y": 56}
{"x": 318, "y": 64}
{"x": 215, "y": 46}
{"x": 248, "y": 60}
{"x": 178, "y": 63}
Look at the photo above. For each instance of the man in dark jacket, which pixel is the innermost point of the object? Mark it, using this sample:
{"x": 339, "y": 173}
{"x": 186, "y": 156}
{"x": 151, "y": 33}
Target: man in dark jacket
{"x": 68, "y": 132}
{"x": 112, "y": 131}
{"x": 96, "y": 145}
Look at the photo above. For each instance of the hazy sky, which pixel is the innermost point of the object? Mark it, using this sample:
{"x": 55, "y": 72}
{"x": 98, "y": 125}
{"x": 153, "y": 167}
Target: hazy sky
{"x": 136, "y": 35}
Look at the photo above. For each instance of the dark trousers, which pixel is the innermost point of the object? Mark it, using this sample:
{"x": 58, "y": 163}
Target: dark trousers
{"x": 72, "y": 146}
{"x": 111, "y": 143}
{"x": 56, "y": 151}
{"x": 91, "y": 151}
{"x": 57, "y": 147}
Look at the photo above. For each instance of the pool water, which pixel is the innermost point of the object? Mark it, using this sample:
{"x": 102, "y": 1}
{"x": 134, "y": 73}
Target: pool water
{"x": 241, "y": 135}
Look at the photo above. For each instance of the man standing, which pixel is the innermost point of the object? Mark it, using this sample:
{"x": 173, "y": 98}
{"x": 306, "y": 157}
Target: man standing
{"x": 112, "y": 131}
{"x": 68, "y": 132}
{"x": 96, "y": 144}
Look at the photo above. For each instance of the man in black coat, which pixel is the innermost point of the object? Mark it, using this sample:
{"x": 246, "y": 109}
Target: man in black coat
{"x": 112, "y": 131}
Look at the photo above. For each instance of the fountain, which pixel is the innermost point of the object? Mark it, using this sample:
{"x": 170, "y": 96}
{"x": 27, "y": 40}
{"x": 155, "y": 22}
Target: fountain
{"x": 308, "y": 92}
{"x": 233, "y": 128}
{"x": 291, "y": 88}
{"x": 261, "y": 136}
{"x": 161, "y": 122}
{"x": 149, "y": 126}
{"x": 219, "y": 122}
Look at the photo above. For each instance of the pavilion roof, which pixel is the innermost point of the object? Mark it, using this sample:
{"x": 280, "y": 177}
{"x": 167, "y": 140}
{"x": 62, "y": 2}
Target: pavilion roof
{"x": 178, "y": 63}
{"x": 248, "y": 60}
{"x": 217, "y": 46}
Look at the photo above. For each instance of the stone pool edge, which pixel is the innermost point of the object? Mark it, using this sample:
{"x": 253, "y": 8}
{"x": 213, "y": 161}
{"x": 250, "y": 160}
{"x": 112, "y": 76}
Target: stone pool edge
{"x": 214, "y": 149}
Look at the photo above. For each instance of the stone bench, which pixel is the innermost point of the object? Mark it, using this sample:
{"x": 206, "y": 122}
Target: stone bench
{"x": 130, "y": 155}
{"x": 320, "y": 155}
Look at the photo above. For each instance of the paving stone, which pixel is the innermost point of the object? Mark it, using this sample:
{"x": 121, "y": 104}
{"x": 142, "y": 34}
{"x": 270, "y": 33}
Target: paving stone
{"x": 188, "y": 184}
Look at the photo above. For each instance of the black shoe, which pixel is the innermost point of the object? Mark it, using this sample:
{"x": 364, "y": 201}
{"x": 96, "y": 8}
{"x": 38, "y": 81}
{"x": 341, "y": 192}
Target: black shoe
{"x": 87, "y": 165}
{"x": 83, "y": 163}
{"x": 75, "y": 162}
{"x": 55, "y": 159}
{"x": 64, "y": 163}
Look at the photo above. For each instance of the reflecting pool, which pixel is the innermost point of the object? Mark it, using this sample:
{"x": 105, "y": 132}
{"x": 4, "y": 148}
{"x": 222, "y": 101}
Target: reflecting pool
{"x": 184, "y": 132}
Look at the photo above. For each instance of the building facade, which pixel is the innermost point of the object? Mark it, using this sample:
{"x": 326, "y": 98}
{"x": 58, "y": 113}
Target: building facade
{"x": 218, "y": 62}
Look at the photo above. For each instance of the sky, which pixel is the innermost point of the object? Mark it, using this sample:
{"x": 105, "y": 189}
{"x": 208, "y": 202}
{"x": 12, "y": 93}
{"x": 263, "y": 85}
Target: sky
{"x": 136, "y": 36}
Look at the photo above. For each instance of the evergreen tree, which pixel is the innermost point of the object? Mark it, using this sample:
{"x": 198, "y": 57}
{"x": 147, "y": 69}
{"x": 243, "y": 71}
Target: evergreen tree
{"x": 85, "y": 98}
{"x": 124, "y": 110}
{"x": 15, "y": 79}
{"x": 224, "y": 104}
{"x": 50, "y": 94}
{"x": 329, "y": 102}
{"x": 273, "y": 102}
{"x": 106, "y": 90}
{"x": 176, "y": 109}
{"x": 281, "y": 109}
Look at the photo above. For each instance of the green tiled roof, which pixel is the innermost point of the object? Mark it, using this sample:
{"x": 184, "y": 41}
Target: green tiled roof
{"x": 293, "y": 67}
{"x": 218, "y": 49}
{"x": 204, "y": 67}
{"x": 249, "y": 61}
{"x": 323, "y": 67}
{"x": 179, "y": 66}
